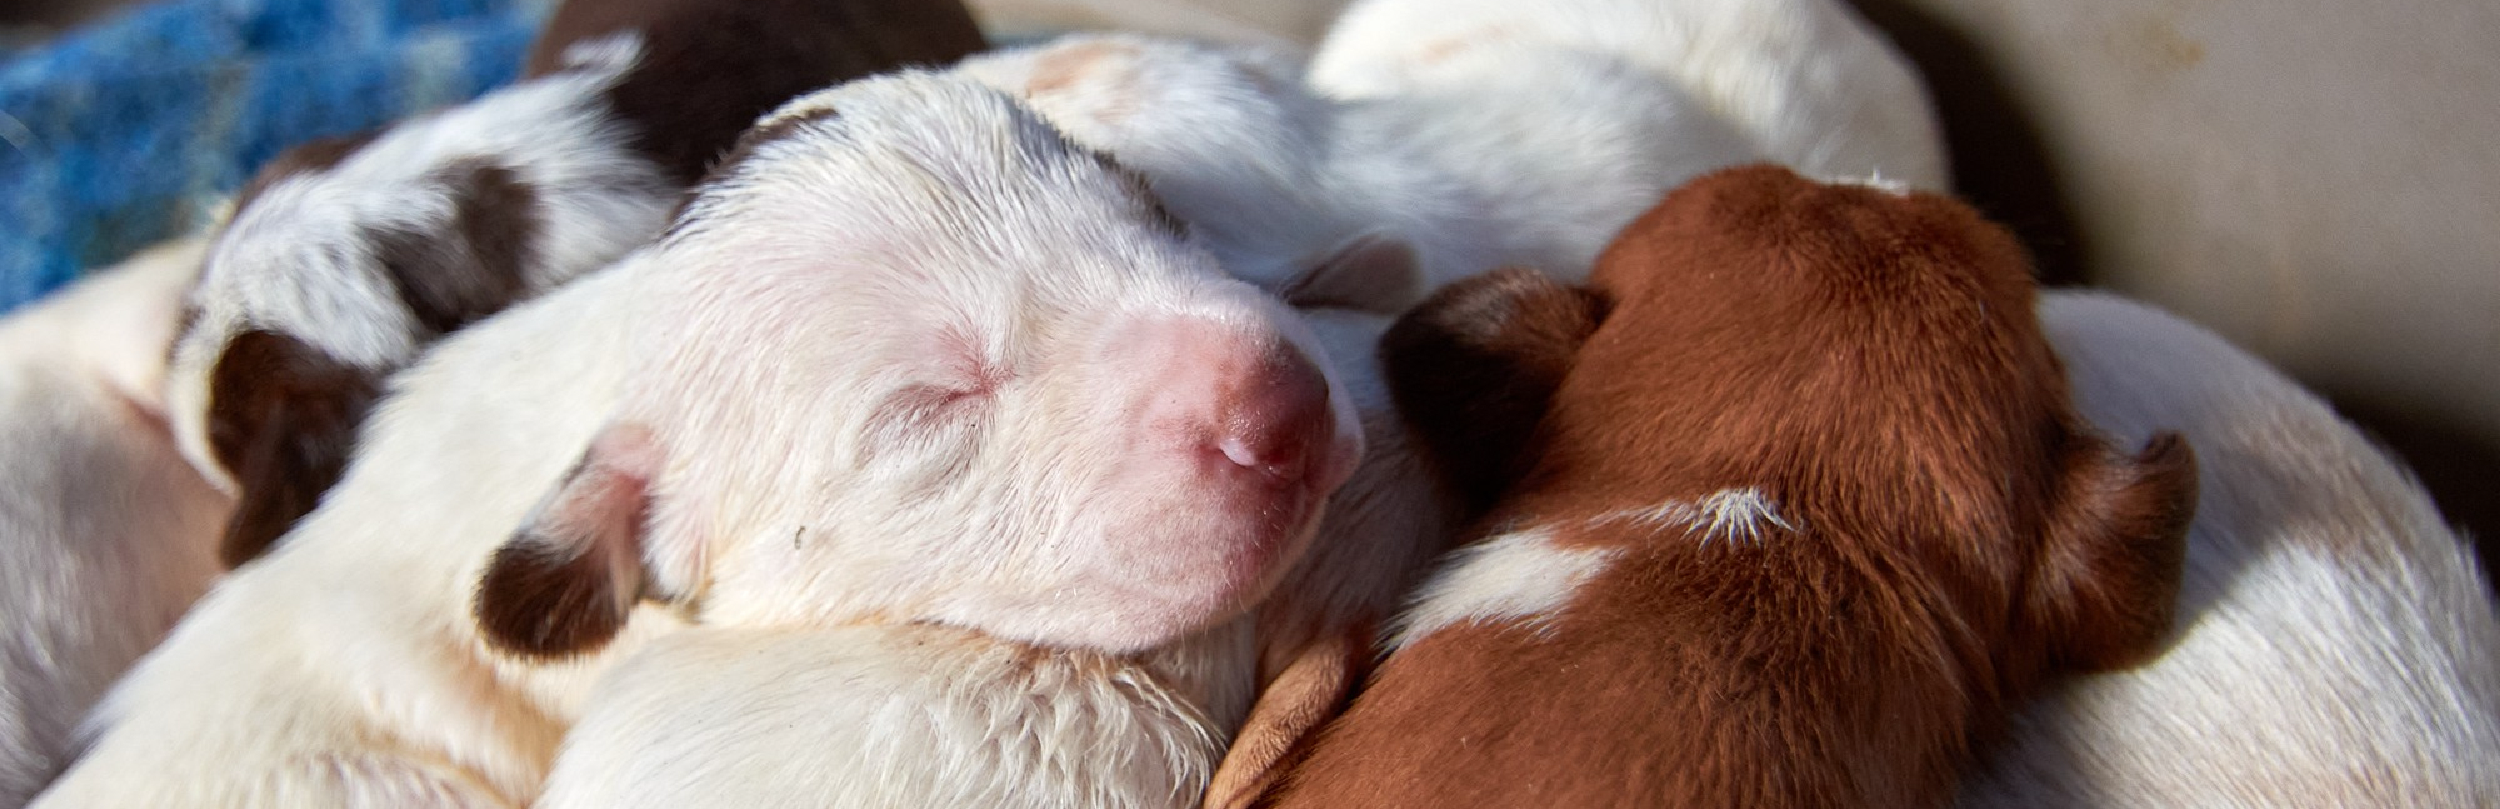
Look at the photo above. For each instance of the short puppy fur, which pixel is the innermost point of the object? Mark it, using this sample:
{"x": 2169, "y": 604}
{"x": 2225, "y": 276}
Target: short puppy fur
{"x": 1023, "y": 458}
{"x": 2335, "y": 634}
{"x": 1807, "y": 516}
{"x": 348, "y": 256}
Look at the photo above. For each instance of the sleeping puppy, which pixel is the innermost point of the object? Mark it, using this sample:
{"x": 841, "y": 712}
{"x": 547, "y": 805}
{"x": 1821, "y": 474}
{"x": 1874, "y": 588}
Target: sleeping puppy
{"x": 105, "y": 533}
{"x": 2335, "y": 637}
{"x": 916, "y": 633}
{"x": 910, "y": 357}
{"x": 1687, "y": 598}
{"x": 1230, "y": 144}
{"x": 346, "y": 257}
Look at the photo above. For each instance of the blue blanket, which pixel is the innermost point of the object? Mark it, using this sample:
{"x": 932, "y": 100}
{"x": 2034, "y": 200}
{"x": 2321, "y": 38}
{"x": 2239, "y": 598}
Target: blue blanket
{"x": 126, "y": 133}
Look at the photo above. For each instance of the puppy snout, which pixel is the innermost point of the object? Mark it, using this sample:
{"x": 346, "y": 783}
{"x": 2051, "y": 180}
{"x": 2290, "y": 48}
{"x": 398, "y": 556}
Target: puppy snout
{"x": 1279, "y": 423}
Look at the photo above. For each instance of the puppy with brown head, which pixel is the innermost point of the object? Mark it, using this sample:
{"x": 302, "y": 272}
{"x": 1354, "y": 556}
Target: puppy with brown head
{"x": 1808, "y": 514}
{"x": 345, "y": 258}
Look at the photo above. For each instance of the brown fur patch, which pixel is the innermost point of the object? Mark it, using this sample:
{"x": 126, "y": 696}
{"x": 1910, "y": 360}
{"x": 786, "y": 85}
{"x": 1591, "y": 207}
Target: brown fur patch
{"x": 566, "y": 583}
{"x": 475, "y": 269}
{"x": 710, "y": 68}
{"x": 1871, "y": 364}
{"x": 282, "y": 417}
{"x": 1473, "y": 366}
{"x": 535, "y": 602}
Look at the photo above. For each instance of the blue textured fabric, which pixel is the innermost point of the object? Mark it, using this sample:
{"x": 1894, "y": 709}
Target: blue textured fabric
{"x": 126, "y": 133}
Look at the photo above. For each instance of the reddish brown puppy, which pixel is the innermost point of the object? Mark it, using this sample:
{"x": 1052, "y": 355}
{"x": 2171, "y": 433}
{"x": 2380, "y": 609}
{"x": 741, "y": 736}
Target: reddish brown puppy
{"x": 1808, "y": 513}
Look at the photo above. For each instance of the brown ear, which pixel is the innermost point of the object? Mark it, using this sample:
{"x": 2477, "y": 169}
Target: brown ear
{"x": 565, "y": 583}
{"x": 2107, "y": 580}
{"x": 1312, "y": 689}
{"x": 1474, "y": 366}
{"x": 1372, "y": 273}
{"x": 282, "y": 418}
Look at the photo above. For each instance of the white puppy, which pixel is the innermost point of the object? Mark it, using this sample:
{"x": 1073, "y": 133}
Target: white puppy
{"x": 1235, "y": 148}
{"x": 347, "y": 257}
{"x": 1807, "y": 82}
{"x": 910, "y": 357}
{"x": 106, "y": 535}
{"x": 2336, "y": 642}
{"x": 1531, "y": 152}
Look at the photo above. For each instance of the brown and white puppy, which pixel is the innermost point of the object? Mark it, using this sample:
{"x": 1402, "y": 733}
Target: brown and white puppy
{"x": 910, "y": 357}
{"x": 105, "y": 533}
{"x": 2336, "y": 641}
{"x": 347, "y": 257}
{"x": 1808, "y": 514}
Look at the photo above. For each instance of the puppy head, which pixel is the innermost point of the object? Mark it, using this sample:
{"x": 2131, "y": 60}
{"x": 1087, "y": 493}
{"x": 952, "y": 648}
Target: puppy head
{"x": 344, "y": 258}
{"x": 1871, "y": 360}
{"x": 914, "y": 356}
{"x": 1232, "y": 143}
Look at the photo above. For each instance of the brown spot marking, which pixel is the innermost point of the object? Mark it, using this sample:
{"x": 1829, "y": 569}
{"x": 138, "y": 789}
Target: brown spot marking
{"x": 316, "y": 155}
{"x": 566, "y": 582}
{"x": 710, "y": 68}
{"x": 536, "y": 603}
{"x": 449, "y": 280}
{"x": 282, "y": 417}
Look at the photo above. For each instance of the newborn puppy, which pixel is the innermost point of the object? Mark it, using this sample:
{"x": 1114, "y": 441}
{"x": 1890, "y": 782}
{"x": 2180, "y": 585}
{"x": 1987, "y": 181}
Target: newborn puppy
{"x": 1372, "y": 202}
{"x": 346, "y": 257}
{"x": 1234, "y": 148}
{"x": 1043, "y": 493}
{"x": 2336, "y": 639}
{"x": 1806, "y": 82}
{"x": 1002, "y": 392}
{"x": 1808, "y": 513}
{"x": 105, "y": 534}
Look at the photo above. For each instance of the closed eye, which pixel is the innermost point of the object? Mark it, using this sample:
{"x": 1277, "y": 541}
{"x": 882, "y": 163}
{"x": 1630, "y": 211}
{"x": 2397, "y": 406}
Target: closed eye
{"x": 921, "y": 425}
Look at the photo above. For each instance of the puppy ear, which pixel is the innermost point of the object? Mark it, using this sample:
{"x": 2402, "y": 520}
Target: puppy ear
{"x": 282, "y": 418}
{"x": 1372, "y": 273}
{"x": 2107, "y": 579}
{"x": 1312, "y": 688}
{"x": 1474, "y": 367}
{"x": 565, "y": 583}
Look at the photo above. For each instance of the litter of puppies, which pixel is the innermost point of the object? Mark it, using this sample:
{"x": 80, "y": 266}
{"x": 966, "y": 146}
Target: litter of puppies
{"x": 786, "y": 403}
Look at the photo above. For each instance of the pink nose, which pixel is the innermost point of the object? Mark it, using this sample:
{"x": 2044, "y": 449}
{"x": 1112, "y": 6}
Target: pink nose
{"x": 1277, "y": 422}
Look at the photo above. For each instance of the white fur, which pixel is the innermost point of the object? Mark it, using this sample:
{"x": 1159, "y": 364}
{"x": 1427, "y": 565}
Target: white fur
{"x": 106, "y": 535}
{"x": 2336, "y": 641}
{"x": 1807, "y": 82}
{"x": 931, "y": 233}
{"x": 1233, "y": 146}
{"x": 1532, "y": 156}
{"x": 343, "y": 668}
{"x": 902, "y": 716}
{"x": 1729, "y": 515}
{"x": 1520, "y": 578}
{"x": 298, "y": 259}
